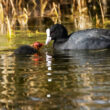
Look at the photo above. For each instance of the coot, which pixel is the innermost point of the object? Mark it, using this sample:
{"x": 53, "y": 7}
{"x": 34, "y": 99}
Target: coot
{"x": 28, "y": 50}
{"x": 84, "y": 39}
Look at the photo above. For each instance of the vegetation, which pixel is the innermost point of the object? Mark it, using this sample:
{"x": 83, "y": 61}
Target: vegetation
{"x": 28, "y": 14}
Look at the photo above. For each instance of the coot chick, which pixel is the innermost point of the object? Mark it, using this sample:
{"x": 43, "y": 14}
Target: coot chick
{"x": 28, "y": 50}
{"x": 84, "y": 39}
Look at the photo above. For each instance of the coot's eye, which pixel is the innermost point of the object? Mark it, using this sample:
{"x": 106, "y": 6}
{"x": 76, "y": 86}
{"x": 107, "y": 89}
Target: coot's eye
{"x": 51, "y": 32}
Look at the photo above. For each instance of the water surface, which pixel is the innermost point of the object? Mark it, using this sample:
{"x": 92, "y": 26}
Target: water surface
{"x": 53, "y": 80}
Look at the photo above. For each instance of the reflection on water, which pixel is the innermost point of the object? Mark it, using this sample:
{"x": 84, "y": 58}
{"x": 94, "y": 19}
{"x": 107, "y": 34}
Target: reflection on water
{"x": 59, "y": 80}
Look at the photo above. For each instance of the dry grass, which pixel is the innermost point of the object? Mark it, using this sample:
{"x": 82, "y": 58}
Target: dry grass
{"x": 19, "y": 11}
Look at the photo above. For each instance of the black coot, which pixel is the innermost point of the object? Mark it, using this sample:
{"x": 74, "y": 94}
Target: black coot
{"x": 84, "y": 39}
{"x": 28, "y": 50}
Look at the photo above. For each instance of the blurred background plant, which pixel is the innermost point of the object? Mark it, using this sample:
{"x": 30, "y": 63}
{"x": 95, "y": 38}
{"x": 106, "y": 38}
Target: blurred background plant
{"x": 32, "y": 14}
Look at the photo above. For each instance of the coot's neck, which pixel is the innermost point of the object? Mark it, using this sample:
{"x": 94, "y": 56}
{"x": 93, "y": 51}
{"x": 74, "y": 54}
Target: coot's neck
{"x": 60, "y": 40}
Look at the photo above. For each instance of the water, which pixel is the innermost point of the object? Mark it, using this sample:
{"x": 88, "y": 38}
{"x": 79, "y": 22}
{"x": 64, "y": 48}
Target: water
{"x": 53, "y": 80}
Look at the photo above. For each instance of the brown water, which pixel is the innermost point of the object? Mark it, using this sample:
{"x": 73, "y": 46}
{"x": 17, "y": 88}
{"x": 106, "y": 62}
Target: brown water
{"x": 53, "y": 80}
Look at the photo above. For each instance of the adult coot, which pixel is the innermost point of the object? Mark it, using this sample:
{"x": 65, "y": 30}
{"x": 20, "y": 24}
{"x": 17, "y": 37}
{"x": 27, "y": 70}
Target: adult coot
{"x": 28, "y": 50}
{"x": 84, "y": 39}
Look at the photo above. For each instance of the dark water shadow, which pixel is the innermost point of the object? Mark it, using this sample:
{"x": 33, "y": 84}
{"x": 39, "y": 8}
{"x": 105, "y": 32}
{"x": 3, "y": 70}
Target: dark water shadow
{"x": 82, "y": 56}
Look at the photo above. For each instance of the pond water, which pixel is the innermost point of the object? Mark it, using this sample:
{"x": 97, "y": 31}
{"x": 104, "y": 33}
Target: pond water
{"x": 53, "y": 80}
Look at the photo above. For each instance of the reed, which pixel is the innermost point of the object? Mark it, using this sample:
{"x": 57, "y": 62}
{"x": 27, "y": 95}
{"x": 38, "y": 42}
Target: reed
{"x": 9, "y": 32}
{"x": 1, "y": 18}
{"x": 102, "y": 11}
{"x": 55, "y": 11}
{"x": 23, "y": 19}
{"x": 13, "y": 7}
{"x": 19, "y": 11}
{"x": 43, "y": 4}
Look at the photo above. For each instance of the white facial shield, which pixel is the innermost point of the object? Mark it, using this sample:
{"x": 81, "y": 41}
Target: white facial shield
{"x": 48, "y": 36}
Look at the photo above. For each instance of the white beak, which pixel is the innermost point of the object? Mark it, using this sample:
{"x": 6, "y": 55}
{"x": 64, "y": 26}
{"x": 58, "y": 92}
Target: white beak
{"x": 48, "y": 36}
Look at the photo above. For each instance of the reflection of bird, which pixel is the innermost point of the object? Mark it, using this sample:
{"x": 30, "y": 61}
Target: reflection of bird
{"x": 85, "y": 39}
{"x": 28, "y": 50}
